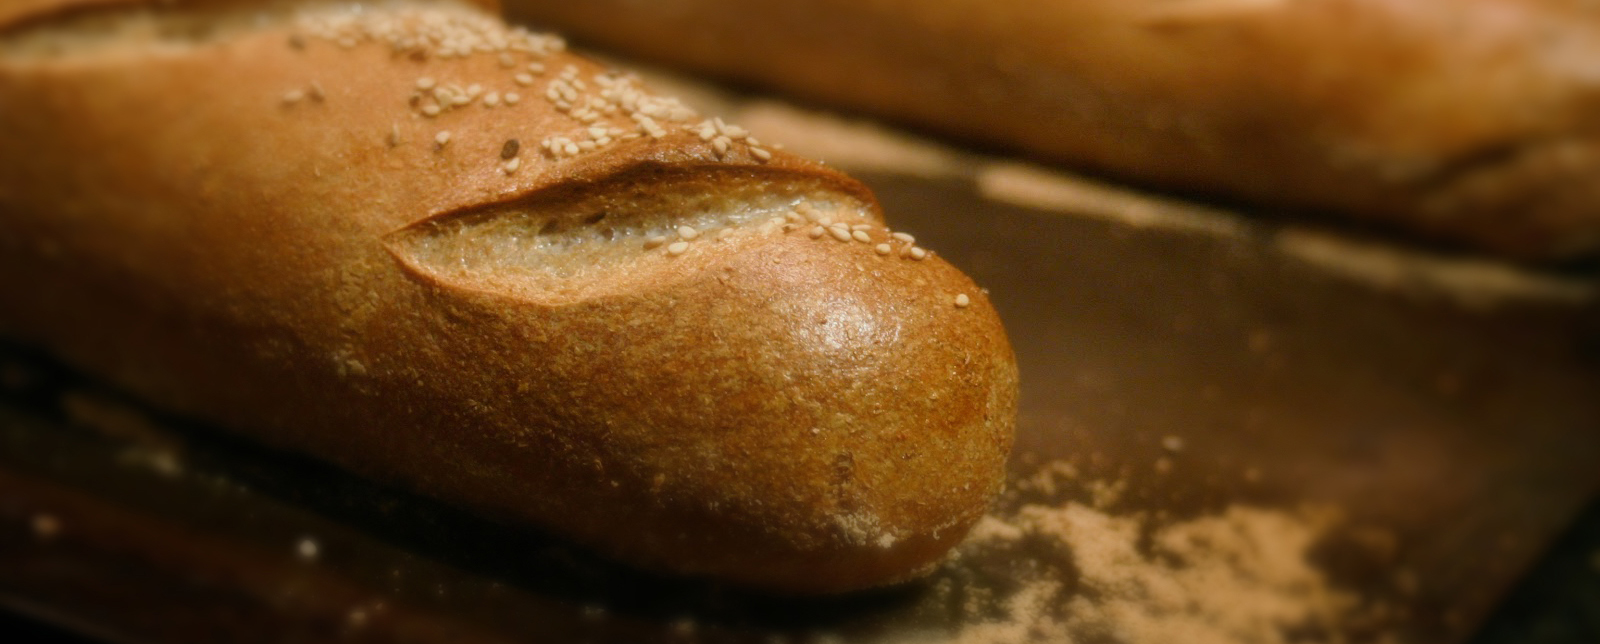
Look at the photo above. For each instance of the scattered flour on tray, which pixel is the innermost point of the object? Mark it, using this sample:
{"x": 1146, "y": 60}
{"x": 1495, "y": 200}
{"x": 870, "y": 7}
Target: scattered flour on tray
{"x": 1239, "y": 576}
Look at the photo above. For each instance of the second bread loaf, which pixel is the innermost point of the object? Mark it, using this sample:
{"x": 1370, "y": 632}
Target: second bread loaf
{"x": 1471, "y": 121}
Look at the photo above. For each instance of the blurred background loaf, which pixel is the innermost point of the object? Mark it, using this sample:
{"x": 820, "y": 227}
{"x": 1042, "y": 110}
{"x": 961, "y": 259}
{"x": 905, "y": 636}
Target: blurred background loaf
{"x": 1468, "y": 122}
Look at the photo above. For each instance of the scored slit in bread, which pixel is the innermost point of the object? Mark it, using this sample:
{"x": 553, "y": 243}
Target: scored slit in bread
{"x": 587, "y": 239}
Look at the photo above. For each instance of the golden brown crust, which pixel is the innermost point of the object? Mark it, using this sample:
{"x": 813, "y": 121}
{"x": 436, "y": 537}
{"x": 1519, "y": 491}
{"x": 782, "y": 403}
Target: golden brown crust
{"x": 282, "y": 255}
{"x": 1471, "y": 121}
{"x": 20, "y": 13}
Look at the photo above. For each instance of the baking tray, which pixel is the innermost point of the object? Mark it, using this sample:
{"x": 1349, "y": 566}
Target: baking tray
{"x": 1233, "y": 427}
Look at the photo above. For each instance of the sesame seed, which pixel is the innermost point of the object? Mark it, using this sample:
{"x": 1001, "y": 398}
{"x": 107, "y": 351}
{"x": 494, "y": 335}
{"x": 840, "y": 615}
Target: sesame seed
{"x": 816, "y": 232}
{"x": 491, "y": 99}
{"x": 861, "y": 227}
{"x": 688, "y": 232}
{"x": 507, "y": 61}
{"x": 725, "y": 233}
{"x": 861, "y": 236}
{"x": 442, "y": 138}
{"x": 536, "y": 68}
{"x": 904, "y": 237}
{"x": 677, "y": 248}
{"x": 918, "y": 253}
{"x": 512, "y": 98}
{"x": 824, "y": 220}
{"x": 293, "y": 96}
{"x": 430, "y": 110}
{"x": 761, "y": 154}
{"x": 720, "y": 144}
{"x": 523, "y": 79}
{"x": 315, "y": 92}
{"x": 306, "y": 548}
{"x": 962, "y": 301}
{"x": 883, "y": 249}
{"x": 839, "y": 233}
{"x": 394, "y": 135}
{"x": 510, "y": 149}
{"x": 512, "y": 165}
{"x": 654, "y": 242}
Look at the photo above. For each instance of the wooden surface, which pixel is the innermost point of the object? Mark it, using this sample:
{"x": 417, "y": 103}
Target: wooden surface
{"x": 1445, "y": 407}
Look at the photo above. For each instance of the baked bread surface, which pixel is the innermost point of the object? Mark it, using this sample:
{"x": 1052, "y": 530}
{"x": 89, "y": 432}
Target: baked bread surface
{"x": 263, "y": 225}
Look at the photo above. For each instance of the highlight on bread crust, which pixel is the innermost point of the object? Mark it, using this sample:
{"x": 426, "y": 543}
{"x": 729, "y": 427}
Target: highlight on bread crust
{"x": 405, "y": 239}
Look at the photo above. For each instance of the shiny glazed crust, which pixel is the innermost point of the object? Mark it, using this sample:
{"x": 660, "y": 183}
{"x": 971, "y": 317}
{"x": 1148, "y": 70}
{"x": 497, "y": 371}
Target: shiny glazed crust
{"x": 263, "y": 226}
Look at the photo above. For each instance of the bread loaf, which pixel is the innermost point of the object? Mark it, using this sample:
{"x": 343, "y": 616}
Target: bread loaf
{"x": 1471, "y": 121}
{"x": 405, "y": 239}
